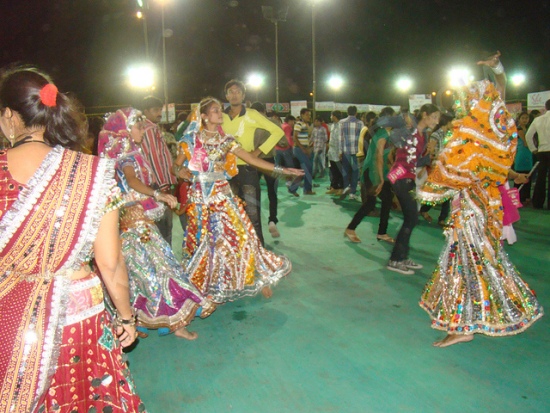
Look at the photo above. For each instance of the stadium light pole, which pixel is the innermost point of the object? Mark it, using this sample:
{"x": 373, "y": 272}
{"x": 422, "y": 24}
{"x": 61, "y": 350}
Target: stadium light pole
{"x": 314, "y": 90}
{"x": 276, "y": 17}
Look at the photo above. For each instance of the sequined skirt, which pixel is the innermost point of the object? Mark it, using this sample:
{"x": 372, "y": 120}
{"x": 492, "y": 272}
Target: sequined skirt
{"x": 159, "y": 288}
{"x": 222, "y": 253}
{"x": 92, "y": 374}
{"x": 475, "y": 288}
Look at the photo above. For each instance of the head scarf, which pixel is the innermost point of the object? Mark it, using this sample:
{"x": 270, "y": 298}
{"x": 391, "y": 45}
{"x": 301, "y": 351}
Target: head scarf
{"x": 114, "y": 139}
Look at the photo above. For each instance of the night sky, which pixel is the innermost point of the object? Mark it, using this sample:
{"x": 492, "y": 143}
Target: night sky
{"x": 87, "y": 45}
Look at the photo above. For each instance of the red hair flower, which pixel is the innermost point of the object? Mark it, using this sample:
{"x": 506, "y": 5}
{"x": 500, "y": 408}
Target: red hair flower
{"x": 48, "y": 94}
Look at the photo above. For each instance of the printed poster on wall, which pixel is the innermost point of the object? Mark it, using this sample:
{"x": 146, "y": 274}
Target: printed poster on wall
{"x": 171, "y": 112}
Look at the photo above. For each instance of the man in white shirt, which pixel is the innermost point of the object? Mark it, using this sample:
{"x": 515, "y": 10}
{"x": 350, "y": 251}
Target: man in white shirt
{"x": 541, "y": 126}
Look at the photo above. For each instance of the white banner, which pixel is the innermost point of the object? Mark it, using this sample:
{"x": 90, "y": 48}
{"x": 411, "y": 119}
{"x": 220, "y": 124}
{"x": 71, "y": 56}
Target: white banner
{"x": 537, "y": 100}
{"x": 416, "y": 101}
{"x": 378, "y": 108}
{"x": 296, "y": 106}
{"x": 324, "y": 106}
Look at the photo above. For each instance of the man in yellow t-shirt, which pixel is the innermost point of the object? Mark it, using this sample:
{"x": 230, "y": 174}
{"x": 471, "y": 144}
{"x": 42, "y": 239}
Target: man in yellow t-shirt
{"x": 242, "y": 122}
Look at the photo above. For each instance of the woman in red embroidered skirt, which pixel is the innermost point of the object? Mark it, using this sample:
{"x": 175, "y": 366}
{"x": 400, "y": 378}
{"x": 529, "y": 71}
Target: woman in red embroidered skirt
{"x": 61, "y": 352}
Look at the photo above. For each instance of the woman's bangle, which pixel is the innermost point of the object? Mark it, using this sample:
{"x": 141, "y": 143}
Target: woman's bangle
{"x": 177, "y": 168}
{"x": 156, "y": 194}
{"x": 119, "y": 321}
{"x": 499, "y": 69}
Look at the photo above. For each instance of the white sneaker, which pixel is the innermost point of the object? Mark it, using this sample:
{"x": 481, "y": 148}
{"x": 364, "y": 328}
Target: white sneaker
{"x": 344, "y": 193}
{"x": 400, "y": 267}
{"x": 273, "y": 230}
{"x": 354, "y": 197}
{"x": 412, "y": 265}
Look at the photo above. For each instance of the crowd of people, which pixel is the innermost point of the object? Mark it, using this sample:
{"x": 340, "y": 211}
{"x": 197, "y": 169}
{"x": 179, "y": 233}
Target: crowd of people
{"x": 73, "y": 222}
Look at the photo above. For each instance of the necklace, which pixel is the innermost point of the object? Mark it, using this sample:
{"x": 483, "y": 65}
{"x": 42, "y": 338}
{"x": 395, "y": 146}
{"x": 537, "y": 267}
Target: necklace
{"x": 27, "y": 139}
{"x": 211, "y": 145}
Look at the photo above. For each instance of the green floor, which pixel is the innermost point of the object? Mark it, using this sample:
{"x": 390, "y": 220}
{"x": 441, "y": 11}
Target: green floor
{"x": 343, "y": 334}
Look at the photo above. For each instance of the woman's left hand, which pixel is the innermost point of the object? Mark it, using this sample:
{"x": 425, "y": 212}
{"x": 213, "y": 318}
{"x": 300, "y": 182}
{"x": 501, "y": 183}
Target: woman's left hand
{"x": 521, "y": 179}
{"x": 127, "y": 334}
{"x": 185, "y": 174}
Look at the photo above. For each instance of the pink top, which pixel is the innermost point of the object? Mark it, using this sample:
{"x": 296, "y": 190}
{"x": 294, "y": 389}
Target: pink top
{"x": 407, "y": 156}
{"x": 289, "y": 131}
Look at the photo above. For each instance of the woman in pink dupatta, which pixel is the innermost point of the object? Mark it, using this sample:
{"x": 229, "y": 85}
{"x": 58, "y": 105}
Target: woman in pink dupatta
{"x": 60, "y": 350}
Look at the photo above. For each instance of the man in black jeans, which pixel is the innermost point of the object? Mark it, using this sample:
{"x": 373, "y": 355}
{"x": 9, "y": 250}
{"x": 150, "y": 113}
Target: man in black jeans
{"x": 242, "y": 123}
{"x": 260, "y": 135}
{"x": 541, "y": 127}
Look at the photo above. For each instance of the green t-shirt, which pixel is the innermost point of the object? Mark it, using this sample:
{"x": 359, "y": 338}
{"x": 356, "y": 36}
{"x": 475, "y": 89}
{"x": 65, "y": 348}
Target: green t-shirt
{"x": 370, "y": 160}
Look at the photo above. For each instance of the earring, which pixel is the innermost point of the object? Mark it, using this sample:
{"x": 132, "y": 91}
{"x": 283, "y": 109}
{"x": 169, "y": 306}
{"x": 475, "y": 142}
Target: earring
{"x": 11, "y": 138}
{"x": 206, "y": 121}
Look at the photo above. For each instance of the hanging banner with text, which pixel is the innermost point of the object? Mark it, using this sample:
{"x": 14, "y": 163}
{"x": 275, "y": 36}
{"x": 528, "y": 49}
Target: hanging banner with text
{"x": 537, "y": 100}
{"x": 416, "y": 101}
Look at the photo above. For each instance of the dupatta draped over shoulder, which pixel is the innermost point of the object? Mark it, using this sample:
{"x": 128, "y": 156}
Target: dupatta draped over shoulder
{"x": 46, "y": 234}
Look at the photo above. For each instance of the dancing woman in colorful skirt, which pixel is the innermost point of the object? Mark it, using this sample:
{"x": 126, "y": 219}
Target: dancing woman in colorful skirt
{"x": 161, "y": 294}
{"x": 475, "y": 288}
{"x": 222, "y": 253}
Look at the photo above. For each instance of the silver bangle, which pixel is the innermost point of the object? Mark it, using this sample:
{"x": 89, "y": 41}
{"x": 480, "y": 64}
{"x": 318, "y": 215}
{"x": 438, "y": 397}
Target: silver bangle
{"x": 499, "y": 69}
{"x": 278, "y": 171}
{"x": 156, "y": 194}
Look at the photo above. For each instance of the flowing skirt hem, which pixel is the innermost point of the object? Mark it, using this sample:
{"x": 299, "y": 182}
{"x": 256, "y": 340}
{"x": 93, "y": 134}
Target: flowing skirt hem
{"x": 222, "y": 296}
{"x": 493, "y": 330}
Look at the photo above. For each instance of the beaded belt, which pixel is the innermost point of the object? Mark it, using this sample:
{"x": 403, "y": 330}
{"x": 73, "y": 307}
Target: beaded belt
{"x": 209, "y": 177}
{"x": 133, "y": 216}
{"x": 214, "y": 187}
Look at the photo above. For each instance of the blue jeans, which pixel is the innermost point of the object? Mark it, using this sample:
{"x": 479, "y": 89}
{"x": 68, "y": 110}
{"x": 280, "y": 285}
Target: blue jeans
{"x": 405, "y": 190}
{"x": 350, "y": 172}
{"x": 319, "y": 164}
{"x": 306, "y": 165}
{"x": 286, "y": 158}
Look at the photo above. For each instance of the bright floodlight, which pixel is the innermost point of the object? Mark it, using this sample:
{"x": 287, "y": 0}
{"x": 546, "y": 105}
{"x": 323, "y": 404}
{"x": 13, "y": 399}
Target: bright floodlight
{"x": 142, "y": 76}
{"x": 255, "y": 81}
{"x": 335, "y": 82}
{"x": 518, "y": 79}
{"x": 404, "y": 84}
{"x": 460, "y": 77}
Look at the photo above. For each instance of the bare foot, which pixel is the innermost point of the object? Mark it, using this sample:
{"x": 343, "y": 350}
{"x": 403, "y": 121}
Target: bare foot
{"x": 451, "y": 339}
{"x": 266, "y": 292}
{"x": 183, "y": 333}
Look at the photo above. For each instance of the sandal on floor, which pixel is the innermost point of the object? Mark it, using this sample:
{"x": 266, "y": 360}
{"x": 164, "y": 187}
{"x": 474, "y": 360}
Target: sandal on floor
{"x": 385, "y": 237}
{"x": 352, "y": 236}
